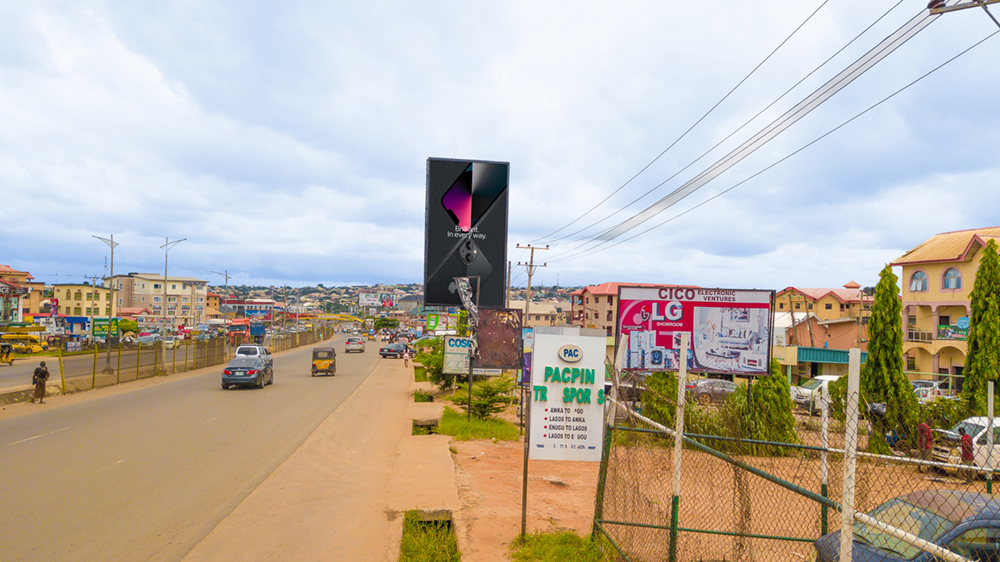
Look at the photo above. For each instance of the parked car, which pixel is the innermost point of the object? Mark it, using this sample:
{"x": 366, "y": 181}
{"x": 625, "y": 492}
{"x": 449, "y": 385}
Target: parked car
{"x": 254, "y": 350}
{"x": 247, "y": 370}
{"x": 930, "y": 390}
{"x": 948, "y": 444}
{"x": 966, "y": 523}
{"x": 807, "y": 395}
{"x": 707, "y": 391}
{"x": 354, "y": 344}
{"x": 392, "y": 350}
{"x": 169, "y": 343}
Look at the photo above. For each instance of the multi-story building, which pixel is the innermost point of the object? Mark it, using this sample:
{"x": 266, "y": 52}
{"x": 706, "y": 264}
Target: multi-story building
{"x": 828, "y": 318}
{"x": 544, "y": 313}
{"x": 596, "y": 306}
{"x": 82, "y": 299}
{"x": 937, "y": 277}
{"x": 19, "y": 286}
{"x": 179, "y": 301}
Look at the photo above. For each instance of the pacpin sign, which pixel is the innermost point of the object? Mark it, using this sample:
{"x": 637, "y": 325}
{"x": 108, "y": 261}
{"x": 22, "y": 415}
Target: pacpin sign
{"x": 567, "y": 394}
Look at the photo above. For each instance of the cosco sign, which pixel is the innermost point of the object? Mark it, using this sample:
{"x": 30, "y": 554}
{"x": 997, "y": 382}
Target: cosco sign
{"x": 458, "y": 342}
{"x": 570, "y": 353}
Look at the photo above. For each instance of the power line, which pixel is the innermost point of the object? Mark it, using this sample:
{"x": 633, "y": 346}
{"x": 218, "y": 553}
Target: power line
{"x": 776, "y": 127}
{"x": 800, "y": 149}
{"x": 684, "y": 134}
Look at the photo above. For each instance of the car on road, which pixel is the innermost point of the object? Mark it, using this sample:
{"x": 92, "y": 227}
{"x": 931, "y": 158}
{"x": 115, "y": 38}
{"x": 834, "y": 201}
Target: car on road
{"x": 169, "y": 343}
{"x": 708, "y": 391}
{"x": 354, "y": 344}
{"x": 930, "y": 390}
{"x": 965, "y": 523}
{"x": 247, "y": 370}
{"x": 254, "y": 350}
{"x": 392, "y": 350}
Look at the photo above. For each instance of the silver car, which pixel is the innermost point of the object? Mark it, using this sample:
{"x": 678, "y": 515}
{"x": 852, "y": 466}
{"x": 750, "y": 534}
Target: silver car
{"x": 354, "y": 344}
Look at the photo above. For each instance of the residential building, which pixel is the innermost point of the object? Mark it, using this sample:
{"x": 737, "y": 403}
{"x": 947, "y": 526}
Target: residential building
{"x": 12, "y": 298}
{"x": 544, "y": 313}
{"x": 82, "y": 299}
{"x": 179, "y": 301}
{"x": 827, "y": 318}
{"x": 29, "y": 298}
{"x": 596, "y": 306}
{"x": 937, "y": 277}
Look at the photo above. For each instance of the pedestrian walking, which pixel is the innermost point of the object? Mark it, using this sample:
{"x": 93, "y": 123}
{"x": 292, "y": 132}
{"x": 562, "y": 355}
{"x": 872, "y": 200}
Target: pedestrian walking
{"x": 925, "y": 442}
{"x": 39, "y": 378}
{"x": 966, "y": 454}
{"x": 406, "y": 357}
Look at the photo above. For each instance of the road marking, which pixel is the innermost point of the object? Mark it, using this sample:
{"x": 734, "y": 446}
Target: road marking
{"x": 36, "y": 437}
{"x": 210, "y": 421}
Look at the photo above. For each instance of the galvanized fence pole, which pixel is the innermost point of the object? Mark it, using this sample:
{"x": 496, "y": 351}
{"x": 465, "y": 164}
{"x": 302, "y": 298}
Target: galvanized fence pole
{"x": 989, "y": 438}
{"x": 118, "y": 371}
{"x": 824, "y": 466}
{"x": 93, "y": 381}
{"x": 850, "y": 454}
{"x": 138, "y": 357}
{"x": 678, "y": 445}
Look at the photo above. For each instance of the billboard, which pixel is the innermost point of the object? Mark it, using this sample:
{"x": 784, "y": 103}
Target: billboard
{"x": 730, "y": 329}
{"x": 499, "y": 334}
{"x": 387, "y": 300}
{"x": 466, "y": 229}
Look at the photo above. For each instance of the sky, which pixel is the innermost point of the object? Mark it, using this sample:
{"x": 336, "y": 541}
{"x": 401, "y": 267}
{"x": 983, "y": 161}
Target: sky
{"x": 287, "y": 142}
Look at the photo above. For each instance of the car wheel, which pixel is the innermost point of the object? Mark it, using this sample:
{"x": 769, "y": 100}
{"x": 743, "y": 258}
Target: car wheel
{"x": 314, "y": 374}
{"x": 225, "y": 387}
{"x": 261, "y": 381}
{"x": 704, "y": 399}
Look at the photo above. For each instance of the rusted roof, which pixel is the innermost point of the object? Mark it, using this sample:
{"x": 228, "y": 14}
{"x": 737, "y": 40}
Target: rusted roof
{"x": 960, "y": 245}
{"x": 845, "y": 295}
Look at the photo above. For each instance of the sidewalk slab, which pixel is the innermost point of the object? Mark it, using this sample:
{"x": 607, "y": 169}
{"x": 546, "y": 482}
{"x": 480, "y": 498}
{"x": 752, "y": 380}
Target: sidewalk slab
{"x": 341, "y": 494}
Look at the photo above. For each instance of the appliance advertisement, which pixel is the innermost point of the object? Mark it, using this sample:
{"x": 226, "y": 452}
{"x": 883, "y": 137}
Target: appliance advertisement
{"x": 730, "y": 328}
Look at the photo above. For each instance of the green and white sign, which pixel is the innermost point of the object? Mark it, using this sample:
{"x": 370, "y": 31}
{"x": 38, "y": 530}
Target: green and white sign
{"x": 567, "y": 394}
{"x": 100, "y": 327}
{"x": 432, "y": 322}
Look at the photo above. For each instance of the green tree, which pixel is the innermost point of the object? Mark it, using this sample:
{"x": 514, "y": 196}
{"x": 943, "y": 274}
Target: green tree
{"x": 489, "y": 397}
{"x": 390, "y": 323}
{"x": 431, "y": 356}
{"x": 770, "y": 408}
{"x": 125, "y": 325}
{"x": 882, "y": 379}
{"x": 983, "y": 344}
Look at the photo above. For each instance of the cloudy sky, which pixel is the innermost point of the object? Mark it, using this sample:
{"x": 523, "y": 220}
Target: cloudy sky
{"x": 287, "y": 141}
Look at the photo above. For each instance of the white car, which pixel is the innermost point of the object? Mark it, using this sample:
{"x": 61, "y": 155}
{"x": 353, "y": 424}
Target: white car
{"x": 253, "y": 350}
{"x": 948, "y": 445}
{"x": 170, "y": 343}
{"x": 354, "y": 344}
{"x": 807, "y": 395}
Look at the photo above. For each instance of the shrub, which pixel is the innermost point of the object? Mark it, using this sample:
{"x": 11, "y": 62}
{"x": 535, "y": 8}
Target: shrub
{"x": 563, "y": 545}
{"x": 431, "y": 357}
{"x": 420, "y": 395}
{"x": 489, "y": 397}
{"x": 457, "y": 426}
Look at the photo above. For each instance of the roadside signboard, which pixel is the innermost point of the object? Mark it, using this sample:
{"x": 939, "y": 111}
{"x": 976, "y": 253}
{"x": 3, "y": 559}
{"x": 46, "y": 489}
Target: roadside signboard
{"x": 456, "y": 355}
{"x": 102, "y": 326}
{"x": 432, "y": 322}
{"x": 567, "y": 394}
{"x": 730, "y": 329}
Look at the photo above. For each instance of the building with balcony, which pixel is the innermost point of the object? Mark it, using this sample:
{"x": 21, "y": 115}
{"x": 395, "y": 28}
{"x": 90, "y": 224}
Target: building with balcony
{"x": 544, "y": 313}
{"x": 826, "y": 318}
{"x": 176, "y": 302}
{"x": 21, "y": 287}
{"x": 937, "y": 277}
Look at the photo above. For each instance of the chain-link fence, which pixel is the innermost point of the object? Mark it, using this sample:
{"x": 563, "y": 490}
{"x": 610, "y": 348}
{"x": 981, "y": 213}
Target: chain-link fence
{"x": 724, "y": 496}
{"x": 101, "y": 365}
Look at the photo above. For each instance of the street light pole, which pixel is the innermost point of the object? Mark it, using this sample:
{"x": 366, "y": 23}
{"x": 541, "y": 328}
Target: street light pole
{"x": 226, "y": 289}
{"x": 166, "y": 250}
{"x": 111, "y": 312}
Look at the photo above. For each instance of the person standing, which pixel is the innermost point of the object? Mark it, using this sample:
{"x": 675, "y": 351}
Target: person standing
{"x": 925, "y": 442}
{"x": 406, "y": 356}
{"x": 966, "y": 454}
{"x": 39, "y": 379}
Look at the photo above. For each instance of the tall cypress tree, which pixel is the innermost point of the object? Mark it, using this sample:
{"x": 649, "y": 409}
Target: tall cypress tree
{"x": 983, "y": 343}
{"x": 882, "y": 378}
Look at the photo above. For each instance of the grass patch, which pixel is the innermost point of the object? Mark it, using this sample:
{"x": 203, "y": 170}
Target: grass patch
{"x": 455, "y": 424}
{"x": 427, "y": 541}
{"x": 420, "y": 395}
{"x": 563, "y": 545}
{"x": 419, "y": 374}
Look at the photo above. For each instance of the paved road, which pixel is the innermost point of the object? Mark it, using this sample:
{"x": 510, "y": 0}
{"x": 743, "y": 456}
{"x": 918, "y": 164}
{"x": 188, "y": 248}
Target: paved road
{"x": 145, "y": 474}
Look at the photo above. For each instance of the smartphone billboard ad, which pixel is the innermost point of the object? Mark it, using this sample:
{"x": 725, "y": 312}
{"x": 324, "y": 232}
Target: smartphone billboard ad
{"x": 466, "y": 230}
{"x": 730, "y": 329}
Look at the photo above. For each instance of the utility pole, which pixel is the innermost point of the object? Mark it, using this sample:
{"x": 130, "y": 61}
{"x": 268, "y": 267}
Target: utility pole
{"x": 530, "y": 267}
{"x": 507, "y": 303}
{"x": 226, "y": 289}
{"x": 166, "y": 250}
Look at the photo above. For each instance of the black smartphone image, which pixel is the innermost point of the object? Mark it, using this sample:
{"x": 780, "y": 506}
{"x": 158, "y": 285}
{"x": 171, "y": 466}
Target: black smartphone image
{"x": 474, "y": 260}
{"x": 473, "y": 193}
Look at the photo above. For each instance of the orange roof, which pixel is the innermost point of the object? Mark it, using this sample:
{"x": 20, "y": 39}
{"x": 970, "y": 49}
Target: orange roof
{"x": 959, "y": 245}
{"x": 611, "y": 287}
{"x": 9, "y": 269}
{"x": 850, "y": 293}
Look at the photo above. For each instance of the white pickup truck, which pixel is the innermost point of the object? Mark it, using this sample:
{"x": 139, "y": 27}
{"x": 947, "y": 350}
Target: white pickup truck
{"x": 948, "y": 445}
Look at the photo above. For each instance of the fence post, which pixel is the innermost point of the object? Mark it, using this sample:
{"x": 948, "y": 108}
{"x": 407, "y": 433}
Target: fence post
{"x": 138, "y": 358}
{"x": 118, "y": 375}
{"x": 678, "y": 444}
{"x": 989, "y": 438}
{"x": 824, "y": 466}
{"x": 850, "y": 453}
{"x": 93, "y": 382}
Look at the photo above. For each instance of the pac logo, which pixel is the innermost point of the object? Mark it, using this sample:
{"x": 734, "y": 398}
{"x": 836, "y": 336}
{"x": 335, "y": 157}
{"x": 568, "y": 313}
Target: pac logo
{"x": 570, "y": 353}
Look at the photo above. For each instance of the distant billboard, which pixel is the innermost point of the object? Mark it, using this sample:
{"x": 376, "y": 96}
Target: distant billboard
{"x": 387, "y": 300}
{"x": 466, "y": 229}
{"x": 730, "y": 329}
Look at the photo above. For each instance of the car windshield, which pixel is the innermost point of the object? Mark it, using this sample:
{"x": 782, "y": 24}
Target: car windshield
{"x": 322, "y": 354}
{"x": 924, "y": 523}
{"x": 971, "y": 429}
{"x": 811, "y": 384}
{"x": 246, "y": 351}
